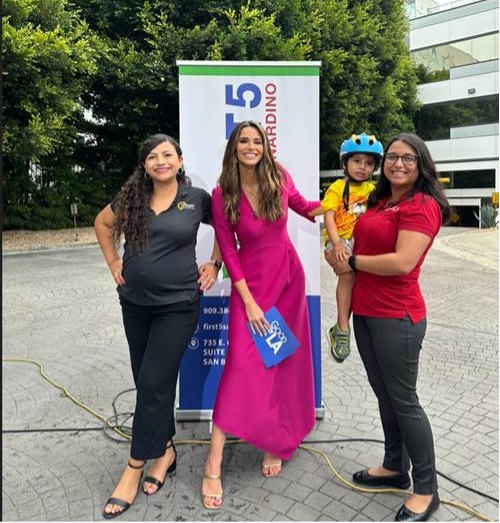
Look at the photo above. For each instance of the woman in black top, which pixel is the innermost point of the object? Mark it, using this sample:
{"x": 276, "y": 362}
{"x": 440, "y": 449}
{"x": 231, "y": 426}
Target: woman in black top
{"x": 159, "y": 286}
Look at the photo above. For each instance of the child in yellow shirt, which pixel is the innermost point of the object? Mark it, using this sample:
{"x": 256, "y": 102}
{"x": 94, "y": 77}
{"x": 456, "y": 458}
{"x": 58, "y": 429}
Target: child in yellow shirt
{"x": 343, "y": 203}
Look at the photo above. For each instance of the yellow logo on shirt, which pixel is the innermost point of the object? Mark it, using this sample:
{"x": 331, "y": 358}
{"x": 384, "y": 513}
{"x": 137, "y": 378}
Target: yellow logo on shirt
{"x": 183, "y": 205}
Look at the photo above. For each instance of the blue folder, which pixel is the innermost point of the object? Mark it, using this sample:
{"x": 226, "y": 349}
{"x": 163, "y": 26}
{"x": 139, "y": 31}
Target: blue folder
{"x": 278, "y": 343}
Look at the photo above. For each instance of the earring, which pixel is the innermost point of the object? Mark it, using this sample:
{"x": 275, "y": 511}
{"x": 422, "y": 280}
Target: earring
{"x": 181, "y": 173}
{"x": 146, "y": 175}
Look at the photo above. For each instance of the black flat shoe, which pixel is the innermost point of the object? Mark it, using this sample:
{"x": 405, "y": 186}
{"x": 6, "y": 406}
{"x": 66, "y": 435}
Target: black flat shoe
{"x": 401, "y": 480}
{"x": 405, "y": 514}
{"x": 159, "y": 484}
{"x": 124, "y": 505}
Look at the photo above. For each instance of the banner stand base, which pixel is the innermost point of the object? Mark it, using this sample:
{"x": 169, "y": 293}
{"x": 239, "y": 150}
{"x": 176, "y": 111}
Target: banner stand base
{"x": 320, "y": 411}
{"x": 193, "y": 415}
{"x": 206, "y": 415}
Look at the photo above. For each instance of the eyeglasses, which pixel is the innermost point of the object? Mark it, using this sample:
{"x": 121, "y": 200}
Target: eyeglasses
{"x": 407, "y": 159}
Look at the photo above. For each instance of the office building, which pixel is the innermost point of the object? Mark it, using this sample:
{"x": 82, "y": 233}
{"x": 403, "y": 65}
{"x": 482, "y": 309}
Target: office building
{"x": 457, "y": 44}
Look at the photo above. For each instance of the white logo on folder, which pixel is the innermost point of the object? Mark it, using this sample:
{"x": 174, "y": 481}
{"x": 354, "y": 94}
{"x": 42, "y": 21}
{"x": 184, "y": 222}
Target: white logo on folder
{"x": 276, "y": 338}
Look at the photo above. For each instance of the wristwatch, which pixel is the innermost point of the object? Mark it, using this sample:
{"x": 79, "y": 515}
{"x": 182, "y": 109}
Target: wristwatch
{"x": 217, "y": 263}
{"x": 352, "y": 261}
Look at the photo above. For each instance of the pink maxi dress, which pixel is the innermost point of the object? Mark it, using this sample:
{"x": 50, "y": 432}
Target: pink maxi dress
{"x": 272, "y": 409}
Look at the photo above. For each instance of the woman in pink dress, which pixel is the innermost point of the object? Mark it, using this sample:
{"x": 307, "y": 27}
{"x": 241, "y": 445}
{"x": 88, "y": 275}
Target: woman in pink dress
{"x": 270, "y": 408}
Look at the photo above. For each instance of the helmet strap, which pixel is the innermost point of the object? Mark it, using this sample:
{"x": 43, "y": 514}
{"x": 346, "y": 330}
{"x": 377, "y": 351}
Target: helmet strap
{"x": 345, "y": 194}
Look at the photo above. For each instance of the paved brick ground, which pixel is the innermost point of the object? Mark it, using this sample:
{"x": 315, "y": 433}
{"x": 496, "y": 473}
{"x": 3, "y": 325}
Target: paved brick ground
{"x": 60, "y": 308}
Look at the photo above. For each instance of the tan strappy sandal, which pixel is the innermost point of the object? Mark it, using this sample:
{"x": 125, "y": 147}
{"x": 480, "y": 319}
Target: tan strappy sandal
{"x": 212, "y": 496}
{"x": 267, "y": 466}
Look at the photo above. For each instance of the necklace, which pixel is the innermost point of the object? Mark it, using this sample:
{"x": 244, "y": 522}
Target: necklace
{"x": 252, "y": 194}
{"x": 252, "y": 191}
{"x": 253, "y": 198}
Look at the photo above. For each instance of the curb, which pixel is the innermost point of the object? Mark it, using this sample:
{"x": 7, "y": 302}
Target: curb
{"x": 31, "y": 250}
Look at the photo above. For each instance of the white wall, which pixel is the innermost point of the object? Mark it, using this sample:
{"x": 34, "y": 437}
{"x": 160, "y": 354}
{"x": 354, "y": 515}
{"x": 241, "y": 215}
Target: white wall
{"x": 455, "y": 29}
{"x": 474, "y": 148}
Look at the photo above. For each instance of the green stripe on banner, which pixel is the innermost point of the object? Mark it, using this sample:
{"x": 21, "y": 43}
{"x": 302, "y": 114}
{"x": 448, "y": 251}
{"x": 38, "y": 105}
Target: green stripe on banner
{"x": 248, "y": 70}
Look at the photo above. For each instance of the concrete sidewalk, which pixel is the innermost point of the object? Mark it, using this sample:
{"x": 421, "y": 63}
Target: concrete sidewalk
{"x": 474, "y": 245}
{"x": 60, "y": 308}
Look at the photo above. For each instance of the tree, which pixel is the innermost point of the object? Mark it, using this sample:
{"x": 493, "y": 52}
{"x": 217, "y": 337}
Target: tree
{"x": 135, "y": 90}
{"x": 129, "y": 82}
{"x": 368, "y": 82}
{"x": 47, "y": 55}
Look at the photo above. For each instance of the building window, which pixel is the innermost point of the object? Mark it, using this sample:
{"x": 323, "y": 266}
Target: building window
{"x": 442, "y": 58}
{"x": 481, "y": 179}
{"x": 434, "y": 121}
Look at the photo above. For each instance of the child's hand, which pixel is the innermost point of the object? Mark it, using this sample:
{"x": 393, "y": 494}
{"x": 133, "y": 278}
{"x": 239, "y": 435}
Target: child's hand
{"x": 341, "y": 252}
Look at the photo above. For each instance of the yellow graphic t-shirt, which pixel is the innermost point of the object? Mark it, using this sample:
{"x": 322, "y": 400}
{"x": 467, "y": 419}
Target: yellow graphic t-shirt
{"x": 345, "y": 220}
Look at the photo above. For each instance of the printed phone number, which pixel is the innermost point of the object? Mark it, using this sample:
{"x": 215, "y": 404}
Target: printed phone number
{"x": 215, "y": 310}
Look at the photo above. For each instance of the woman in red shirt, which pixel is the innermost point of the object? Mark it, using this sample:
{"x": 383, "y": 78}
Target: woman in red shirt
{"x": 391, "y": 240}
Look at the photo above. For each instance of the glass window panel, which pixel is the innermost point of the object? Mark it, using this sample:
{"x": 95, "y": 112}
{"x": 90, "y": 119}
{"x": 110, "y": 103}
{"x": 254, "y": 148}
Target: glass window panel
{"x": 484, "y": 48}
{"x": 474, "y": 179}
{"x": 461, "y": 53}
{"x": 433, "y": 121}
{"x": 464, "y": 52}
{"x": 479, "y": 49}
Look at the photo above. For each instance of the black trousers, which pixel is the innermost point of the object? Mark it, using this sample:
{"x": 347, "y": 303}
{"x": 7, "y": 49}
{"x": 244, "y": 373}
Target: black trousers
{"x": 390, "y": 350}
{"x": 157, "y": 337}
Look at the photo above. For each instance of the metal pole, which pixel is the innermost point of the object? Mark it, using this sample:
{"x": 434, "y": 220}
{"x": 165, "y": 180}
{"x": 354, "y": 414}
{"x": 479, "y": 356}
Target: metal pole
{"x": 74, "y": 222}
{"x": 74, "y": 212}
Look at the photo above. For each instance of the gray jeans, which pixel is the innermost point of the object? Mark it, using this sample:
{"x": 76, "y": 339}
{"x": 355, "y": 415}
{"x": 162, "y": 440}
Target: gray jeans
{"x": 390, "y": 350}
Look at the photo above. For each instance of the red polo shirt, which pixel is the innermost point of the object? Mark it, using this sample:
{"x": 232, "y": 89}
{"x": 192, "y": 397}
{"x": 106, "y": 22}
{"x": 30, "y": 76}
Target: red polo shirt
{"x": 376, "y": 232}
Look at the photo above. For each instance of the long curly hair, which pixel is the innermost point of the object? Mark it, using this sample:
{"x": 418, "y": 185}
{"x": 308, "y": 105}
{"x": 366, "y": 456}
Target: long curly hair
{"x": 269, "y": 178}
{"x": 427, "y": 181}
{"x": 131, "y": 209}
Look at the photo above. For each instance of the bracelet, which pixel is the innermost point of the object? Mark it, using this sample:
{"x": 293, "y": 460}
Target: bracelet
{"x": 352, "y": 261}
{"x": 217, "y": 263}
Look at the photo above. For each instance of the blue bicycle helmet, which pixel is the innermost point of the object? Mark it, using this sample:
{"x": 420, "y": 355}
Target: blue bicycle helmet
{"x": 362, "y": 143}
{"x": 358, "y": 143}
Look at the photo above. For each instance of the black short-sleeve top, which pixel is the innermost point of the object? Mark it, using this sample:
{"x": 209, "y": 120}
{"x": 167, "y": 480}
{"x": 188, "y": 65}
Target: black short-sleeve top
{"x": 167, "y": 271}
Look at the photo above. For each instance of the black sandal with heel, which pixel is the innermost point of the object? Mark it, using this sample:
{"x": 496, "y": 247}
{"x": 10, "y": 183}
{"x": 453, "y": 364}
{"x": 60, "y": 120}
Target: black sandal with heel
{"x": 171, "y": 469}
{"x": 124, "y": 505}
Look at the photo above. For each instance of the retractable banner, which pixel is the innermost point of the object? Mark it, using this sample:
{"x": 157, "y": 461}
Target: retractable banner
{"x": 213, "y": 98}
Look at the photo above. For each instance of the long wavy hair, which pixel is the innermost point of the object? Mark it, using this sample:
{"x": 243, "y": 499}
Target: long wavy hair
{"x": 269, "y": 178}
{"x": 131, "y": 209}
{"x": 427, "y": 181}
